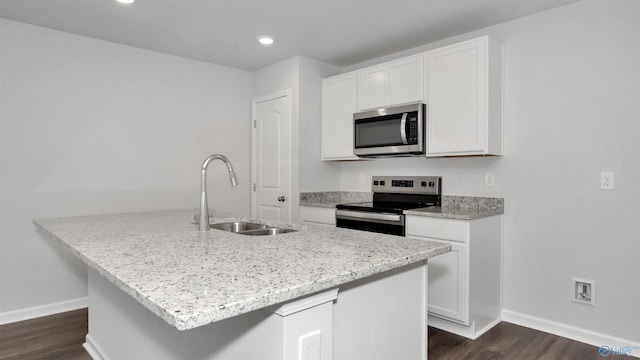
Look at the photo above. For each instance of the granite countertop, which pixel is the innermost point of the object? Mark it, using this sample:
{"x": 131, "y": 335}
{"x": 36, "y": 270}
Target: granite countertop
{"x": 462, "y": 208}
{"x": 453, "y": 206}
{"x": 330, "y": 199}
{"x": 453, "y": 213}
{"x": 191, "y": 279}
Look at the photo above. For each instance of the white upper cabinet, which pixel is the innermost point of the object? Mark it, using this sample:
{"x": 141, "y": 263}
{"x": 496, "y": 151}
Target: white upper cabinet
{"x": 461, "y": 85}
{"x": 406, "y": 82}
{"x": 464, "y": 99}
{"x": 392, "y": 83}
{"x": 373, "y": 88}
{"x": 338, "y": 105}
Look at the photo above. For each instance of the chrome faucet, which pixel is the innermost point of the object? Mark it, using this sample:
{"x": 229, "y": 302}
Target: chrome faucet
{"x": 203, "y": 222}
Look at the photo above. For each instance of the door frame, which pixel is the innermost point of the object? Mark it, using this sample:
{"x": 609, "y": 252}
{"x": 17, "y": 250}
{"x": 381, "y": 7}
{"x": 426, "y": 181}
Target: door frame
{"x": 276, "y": 95}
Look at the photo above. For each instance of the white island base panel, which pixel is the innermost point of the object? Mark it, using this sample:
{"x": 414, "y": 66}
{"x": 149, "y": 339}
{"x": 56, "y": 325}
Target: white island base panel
{"x": 380, "y": 317}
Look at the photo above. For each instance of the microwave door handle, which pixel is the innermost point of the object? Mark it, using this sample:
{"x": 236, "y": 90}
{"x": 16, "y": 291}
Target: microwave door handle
{"x": 403, "y": 129}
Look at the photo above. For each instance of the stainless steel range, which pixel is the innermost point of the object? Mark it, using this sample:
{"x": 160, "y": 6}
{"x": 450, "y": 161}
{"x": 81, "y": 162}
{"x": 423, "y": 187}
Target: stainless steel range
{"x": 391, "y": 196}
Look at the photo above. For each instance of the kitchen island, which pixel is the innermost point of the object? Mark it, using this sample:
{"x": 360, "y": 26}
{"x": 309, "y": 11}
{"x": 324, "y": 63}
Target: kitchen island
{"x": 316, "y": 293}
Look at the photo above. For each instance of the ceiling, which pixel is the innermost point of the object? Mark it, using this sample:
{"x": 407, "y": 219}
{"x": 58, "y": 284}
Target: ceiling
{"x": 338, "y": 32}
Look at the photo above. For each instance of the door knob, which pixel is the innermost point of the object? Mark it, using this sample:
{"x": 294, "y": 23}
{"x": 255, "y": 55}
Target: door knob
{"x": 281, "y": 198}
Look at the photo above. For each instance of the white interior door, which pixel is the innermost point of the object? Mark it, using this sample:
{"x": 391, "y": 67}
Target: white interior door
{"x": 272, "y": 157}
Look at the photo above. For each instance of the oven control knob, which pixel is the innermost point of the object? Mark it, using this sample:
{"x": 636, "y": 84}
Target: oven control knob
{"x": 375, "y": 182}
{"x": 381, "y": 182}
{"x": 432, "y": 184}
{"x": 424, "y": 183}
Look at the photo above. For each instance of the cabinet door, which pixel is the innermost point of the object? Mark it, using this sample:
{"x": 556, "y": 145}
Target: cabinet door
{"x": 456, "y": 87}
{"x": 373, "y": 88}
{"x": 448, "y": 296}
{"x": 338, "y": 106}
{"x": 406, "y": 80}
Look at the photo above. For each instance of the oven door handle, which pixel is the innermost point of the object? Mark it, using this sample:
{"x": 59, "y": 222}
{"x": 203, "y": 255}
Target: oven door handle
{"x": 369, "y": 216}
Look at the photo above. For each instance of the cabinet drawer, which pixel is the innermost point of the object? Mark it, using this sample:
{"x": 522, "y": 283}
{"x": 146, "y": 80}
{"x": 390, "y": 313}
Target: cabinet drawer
{"x": 446, "y": 229}
{"x": 318, "y": 215}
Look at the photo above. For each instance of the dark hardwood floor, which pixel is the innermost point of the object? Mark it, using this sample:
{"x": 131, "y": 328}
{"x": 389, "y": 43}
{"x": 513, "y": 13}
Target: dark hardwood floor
{"x": 61, "y": 336}
{"x": 508, "y": 341}
{"x": 52, "y": 337}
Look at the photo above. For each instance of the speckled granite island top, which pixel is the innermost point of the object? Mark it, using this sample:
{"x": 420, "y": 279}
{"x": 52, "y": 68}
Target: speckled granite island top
{"x": 190, "y": 279}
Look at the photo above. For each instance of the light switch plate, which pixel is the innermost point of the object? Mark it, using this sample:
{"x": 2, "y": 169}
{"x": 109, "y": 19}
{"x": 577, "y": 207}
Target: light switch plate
{"x": 489, "y": 179}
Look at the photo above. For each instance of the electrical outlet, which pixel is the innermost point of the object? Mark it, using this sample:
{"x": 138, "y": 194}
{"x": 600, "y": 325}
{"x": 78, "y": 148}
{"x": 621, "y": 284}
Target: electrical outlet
{"x": 583, "y": 291}
{"x": 310, "y": 346}
{"x": 489, "y": 179}
{"x": 606, "y": 180}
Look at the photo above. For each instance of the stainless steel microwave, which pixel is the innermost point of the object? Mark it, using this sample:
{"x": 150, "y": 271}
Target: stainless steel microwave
{"x": 394, "y": 131}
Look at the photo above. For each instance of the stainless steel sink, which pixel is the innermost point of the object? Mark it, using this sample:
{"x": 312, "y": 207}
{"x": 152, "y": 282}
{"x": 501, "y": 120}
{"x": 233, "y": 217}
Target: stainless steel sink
{"x": 247, "y": 228}
{"x": 267, "y": 231}
{"x": 237, "y": 226}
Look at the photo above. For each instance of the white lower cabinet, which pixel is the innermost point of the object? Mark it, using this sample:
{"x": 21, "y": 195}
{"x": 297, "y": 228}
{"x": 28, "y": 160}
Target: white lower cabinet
{"x": 367, "y": 306}
{"x": 465, "y": 285}
{"x": 448, "y": 284}
{"x": 318, "y": 215}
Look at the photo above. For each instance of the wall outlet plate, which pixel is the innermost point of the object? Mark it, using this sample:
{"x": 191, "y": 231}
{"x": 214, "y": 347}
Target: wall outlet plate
{"x": 310, "y": 345}
{"x": 583, "y": 291}
{"x": 606, "y": 180}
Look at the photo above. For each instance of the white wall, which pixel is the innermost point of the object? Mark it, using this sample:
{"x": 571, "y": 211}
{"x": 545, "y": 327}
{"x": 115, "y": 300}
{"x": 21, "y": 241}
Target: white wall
{"x": 89, "y": 127}
{"x": 315, "y": 175}
{"x": 572, "y": 109}
{"x": 303, "y": 76}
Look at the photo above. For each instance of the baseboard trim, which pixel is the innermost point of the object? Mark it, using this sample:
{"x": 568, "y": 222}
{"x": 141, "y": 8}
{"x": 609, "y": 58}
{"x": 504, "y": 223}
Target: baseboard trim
{"x": 94, "y": 350}
{"x": 469, "y": 332}
{"x": 42, "y": 310}
{"x": 572, "y": 332}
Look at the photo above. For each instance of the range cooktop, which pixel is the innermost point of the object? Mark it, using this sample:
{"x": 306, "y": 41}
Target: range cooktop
{"x": 393, "y": 194}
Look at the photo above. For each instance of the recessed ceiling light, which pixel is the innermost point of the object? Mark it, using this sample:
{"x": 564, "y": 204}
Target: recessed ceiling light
{"x": 126, "y": 1}
{"x": 265, "y": 40}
